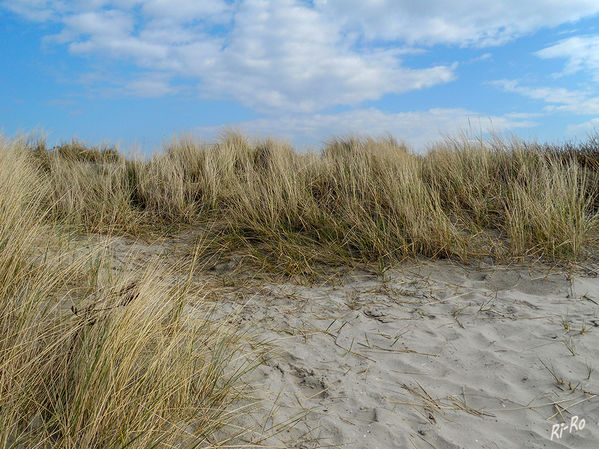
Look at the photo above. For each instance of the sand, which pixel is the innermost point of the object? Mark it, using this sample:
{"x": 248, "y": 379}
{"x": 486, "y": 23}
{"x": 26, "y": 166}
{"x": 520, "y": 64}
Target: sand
{"x": 435, "y": 355}
{"x": 429, "y": 355}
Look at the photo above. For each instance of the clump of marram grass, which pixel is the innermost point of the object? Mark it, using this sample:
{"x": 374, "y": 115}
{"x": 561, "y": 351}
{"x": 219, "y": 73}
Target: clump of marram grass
{"x": 536, "y": 201}
{"x": 134, "y": 371}
{"x": 125, "y": 367}
{"x": 94, "y": 359}
{"x": 387, "y": 210}
{"x": 88, "y": 188}
{"x": 361, "y": 200}
{"x": 93, "y": 196}
{"x": 76, "y": 151}
{"x": 551, "y": 213}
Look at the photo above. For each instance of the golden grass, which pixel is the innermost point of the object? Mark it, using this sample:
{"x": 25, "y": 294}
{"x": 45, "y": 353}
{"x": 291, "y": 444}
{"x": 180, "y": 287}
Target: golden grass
{"x": 360, "y": 200}
{"x": 92, "y": 357}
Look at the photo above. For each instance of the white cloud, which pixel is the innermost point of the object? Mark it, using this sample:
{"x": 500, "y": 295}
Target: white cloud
{"x": 287, "y": 57}
{"x": 188, "y": 10}
{"x": 110, "y": 23}
{"x": 290, "y": 55}
{"x": 417, "y": 128}
{"x": 283, "y": 55}
{"x": 36, "y": 10}
{"x": 558, "y": 99}
{"x": 582, "y": 130}
{"x": 464, "y": 22}
{"x": 467, "y": 22}
{"x": 581, "y": 53}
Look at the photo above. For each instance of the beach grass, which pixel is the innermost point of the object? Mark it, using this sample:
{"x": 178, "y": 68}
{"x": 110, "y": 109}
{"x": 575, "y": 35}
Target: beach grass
{"x": 358, "y": 200}
{"x": 92, "y": 357}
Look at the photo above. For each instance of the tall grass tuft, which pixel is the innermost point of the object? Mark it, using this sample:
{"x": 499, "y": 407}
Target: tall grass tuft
{"x": 359, "y": 200}
{"x": 90, "y": 358}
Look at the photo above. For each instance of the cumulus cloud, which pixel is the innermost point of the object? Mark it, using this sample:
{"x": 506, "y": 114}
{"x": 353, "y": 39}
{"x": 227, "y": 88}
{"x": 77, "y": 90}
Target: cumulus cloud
{"x": 294, "y": 59}
{"x": 289, "y": 54}
{"x": 188, "y": 10}
{"x": 36, "y": 10}
{"x": 283, "y": 55}
{"x": 417, "y": 128}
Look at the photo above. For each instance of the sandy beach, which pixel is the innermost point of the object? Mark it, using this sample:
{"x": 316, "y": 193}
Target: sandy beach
{"x": 430, "y": 354}
{"x": 244, "y": 295}
{"x": 434, "y": 354}
{"x": 292, "y": 224}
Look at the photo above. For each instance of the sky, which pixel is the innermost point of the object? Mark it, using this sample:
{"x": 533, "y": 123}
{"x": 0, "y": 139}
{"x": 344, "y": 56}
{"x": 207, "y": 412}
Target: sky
{"x": 138, "y": 72}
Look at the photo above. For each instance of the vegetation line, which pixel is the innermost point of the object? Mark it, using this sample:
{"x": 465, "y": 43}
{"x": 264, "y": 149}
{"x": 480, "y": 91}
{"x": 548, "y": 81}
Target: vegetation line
{"x": 360, "y": 200}
{"x": 92, "y": 357}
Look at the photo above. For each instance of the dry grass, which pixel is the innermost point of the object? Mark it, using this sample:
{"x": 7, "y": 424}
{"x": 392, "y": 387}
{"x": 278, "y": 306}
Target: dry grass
{"x": 362, "y": 200}
{"x": 92, "y": 357}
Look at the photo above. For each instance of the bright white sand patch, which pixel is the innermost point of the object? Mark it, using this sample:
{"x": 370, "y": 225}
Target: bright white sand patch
{"x": 434, "y": 355}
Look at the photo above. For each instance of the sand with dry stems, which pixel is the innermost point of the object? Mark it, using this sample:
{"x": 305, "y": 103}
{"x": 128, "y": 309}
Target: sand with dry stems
{"x": 434, "y": 354}
{"x": 425, "y": 354}
{"x": 241, "y": 294}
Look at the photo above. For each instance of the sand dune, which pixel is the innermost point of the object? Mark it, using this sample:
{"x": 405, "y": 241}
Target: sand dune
{"x": 427, "y": 354}
{"x": 434, "y": 354}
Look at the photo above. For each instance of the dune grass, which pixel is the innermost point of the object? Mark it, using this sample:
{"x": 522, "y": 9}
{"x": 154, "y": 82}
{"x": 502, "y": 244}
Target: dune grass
{"x": 92, "y": 357}
{"x": 360, "y": 200}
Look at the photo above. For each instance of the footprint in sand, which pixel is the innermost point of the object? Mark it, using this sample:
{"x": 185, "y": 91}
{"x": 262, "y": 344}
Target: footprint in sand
{"x": 309, "y": 384}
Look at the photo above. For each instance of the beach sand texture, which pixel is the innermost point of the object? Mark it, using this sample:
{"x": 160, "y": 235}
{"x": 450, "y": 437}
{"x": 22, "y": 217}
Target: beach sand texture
{"x": 430, "y": 355}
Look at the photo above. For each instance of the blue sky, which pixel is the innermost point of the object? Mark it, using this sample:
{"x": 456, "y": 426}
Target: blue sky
{"x": 138, "y": 72}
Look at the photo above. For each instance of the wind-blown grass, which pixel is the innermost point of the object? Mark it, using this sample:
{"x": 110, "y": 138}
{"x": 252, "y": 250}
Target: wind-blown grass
{"x": 92, "y": 359}
{"x": 360, "y": 200}
{"x": 89, "y": 358}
